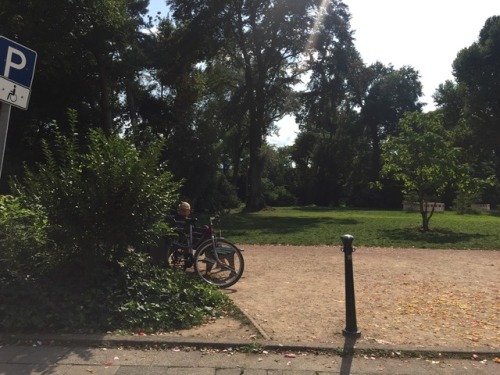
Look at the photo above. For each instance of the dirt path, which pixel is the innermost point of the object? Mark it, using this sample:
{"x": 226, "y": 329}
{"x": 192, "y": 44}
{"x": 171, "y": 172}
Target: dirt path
{"x": 410, "y": 297}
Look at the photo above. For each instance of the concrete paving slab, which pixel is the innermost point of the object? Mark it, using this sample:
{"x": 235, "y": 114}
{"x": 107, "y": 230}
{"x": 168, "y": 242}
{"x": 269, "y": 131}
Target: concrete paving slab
{"x": 8, "y": 352}
{"x": 25, "y": 369}
{"x": 39, "y": 354}
{"x": 91, "y": 370}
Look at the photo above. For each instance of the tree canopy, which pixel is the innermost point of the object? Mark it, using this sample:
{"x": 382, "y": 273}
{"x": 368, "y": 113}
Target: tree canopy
{"x": 212, "y": 78}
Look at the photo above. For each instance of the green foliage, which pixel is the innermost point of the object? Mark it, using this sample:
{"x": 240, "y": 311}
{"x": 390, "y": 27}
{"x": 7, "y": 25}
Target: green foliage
{"x": 217, "y": 76}
{"x": 132, "y": 295}
{"x": 20, "y": 228}
{"x": 224, "y": 195}
{"x": 477, "y": 71}
{"x": 463, "y": 202}
{"x": 422, "y": 158}
{"x": 100, "y": 202}
{"x": 470, "y": 105}
{"x": 23, "y": 238}
{"x": 159, "y": 299}
{"x": 391, "y": 94}
{"x": 278, "y": 176}
{"x": 67, "y": 241}
{"x": 277, "y": 195}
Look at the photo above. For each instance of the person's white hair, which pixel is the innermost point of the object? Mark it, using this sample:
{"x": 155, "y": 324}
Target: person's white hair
{"x": 184, "y": 206}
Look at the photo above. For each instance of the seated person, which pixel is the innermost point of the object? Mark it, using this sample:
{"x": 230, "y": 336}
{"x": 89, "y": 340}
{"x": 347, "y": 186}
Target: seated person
{"x": 183, "y": 212}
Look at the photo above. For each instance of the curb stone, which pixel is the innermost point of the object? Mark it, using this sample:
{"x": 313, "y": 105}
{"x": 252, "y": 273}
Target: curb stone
{"x": 348, "y": 348}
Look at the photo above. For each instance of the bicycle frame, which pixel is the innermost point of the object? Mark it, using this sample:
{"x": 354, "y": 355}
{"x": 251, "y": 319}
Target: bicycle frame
{"x": 207, "y": 235}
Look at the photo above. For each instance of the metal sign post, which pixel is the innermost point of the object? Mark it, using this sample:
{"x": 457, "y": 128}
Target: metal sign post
{"x": 17, "y": 67}
{"x": 4, "y": 126}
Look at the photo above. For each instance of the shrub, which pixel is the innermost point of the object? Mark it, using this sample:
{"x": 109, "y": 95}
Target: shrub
{"x": 277, "y": 195}
{"x": 24, "y": 246}
{"x": 80, "y": 215}
{"x": 159, "y": 299}
{"x": 133, "y": 294}
{"x": 100, "y": 202}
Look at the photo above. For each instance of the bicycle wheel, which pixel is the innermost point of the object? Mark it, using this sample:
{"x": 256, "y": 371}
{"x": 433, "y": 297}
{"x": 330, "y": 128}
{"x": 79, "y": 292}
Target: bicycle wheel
{"x": 222, "y": 265}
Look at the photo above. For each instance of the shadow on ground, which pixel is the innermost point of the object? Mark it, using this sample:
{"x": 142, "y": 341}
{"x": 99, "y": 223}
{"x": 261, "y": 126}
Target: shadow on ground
{"x": 434, "y": 236}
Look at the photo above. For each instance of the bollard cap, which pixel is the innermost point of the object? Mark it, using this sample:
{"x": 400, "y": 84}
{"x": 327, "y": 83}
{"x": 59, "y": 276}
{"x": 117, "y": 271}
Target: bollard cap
{"x": 347, "y": 237}
{"x": 347, "y": 240}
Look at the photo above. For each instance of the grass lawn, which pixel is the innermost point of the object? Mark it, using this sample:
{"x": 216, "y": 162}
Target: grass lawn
{"x": 320, "y": 226}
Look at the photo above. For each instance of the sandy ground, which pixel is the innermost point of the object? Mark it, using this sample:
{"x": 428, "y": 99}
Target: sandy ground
{"x": 410, "y": 297}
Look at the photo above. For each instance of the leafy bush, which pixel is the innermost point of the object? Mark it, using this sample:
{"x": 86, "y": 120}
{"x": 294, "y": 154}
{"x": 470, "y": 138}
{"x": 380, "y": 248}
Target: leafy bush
{"x": 67, "y": 242}
{"x": 132, "y": 295}
{"x": 100, "y": 202}
{"x": 277, "y": 196}
{"x": 23, "y": 239}
{"x": 159, "y": 299}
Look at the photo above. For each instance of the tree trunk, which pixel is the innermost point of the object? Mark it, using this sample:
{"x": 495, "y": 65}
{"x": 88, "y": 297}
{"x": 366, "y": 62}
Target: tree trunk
{"x": 105, "y": 99}
{"x": 254, "y": 100}
{"x": 426, "y": 216}
{"x": 255, "y": 194}
{"x": 425, "y": 221}
{"x": 376, "y": 152}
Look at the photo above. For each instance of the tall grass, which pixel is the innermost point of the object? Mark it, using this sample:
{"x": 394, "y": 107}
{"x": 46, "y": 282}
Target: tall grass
{"x": 323, "y": 226}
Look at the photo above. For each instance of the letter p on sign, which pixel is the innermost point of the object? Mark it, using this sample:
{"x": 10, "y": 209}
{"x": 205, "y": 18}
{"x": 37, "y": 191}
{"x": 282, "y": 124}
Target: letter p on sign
{"x": 15, "y": 59}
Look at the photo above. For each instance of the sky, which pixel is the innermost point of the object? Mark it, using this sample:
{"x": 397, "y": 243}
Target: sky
{"x": 424, "y": 34}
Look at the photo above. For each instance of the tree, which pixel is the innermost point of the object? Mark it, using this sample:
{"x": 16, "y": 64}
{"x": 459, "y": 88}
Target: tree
{"x": 471, "y": 107}
{"x": 422, "y": 158}
{"x": 391, "y": 93}
{"x": 326, "y": 110}
{"x": 278, "y": 176}
{"x": 450, "y": 99}
{"x": 88, "y": 54}
{"x": 264, "y": 40}
{"x": 477, "y": 69}
{"x": 477, "y": 73}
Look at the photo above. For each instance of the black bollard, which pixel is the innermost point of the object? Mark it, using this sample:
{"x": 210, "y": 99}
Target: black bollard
{"x": 350, "y": 303}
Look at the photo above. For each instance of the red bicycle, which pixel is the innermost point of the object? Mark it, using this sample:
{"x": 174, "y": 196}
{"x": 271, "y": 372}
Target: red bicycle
{"x": 216, "y": 260}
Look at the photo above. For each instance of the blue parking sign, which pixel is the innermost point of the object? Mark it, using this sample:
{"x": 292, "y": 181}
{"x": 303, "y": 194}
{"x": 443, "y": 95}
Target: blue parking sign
{"x": 17, "y": 66}
{"x": 17, "y": 62}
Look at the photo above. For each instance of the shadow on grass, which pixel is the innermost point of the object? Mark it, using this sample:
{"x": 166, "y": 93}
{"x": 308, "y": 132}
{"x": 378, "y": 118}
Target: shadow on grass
{"x": 315, "y": 209}
{"x": 435, "y": 236}
{"x": 279, "y": 225}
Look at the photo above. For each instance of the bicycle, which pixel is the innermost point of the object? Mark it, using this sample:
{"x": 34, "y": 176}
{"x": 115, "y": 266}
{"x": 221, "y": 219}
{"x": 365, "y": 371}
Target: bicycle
{"x": 216, "y": 260}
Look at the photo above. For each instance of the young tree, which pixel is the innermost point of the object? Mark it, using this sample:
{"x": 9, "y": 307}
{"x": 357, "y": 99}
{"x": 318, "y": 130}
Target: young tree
{"x": 422, "y": 158}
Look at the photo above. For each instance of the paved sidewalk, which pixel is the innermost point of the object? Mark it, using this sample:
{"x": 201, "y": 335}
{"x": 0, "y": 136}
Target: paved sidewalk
{"x": 84, "y": 355}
